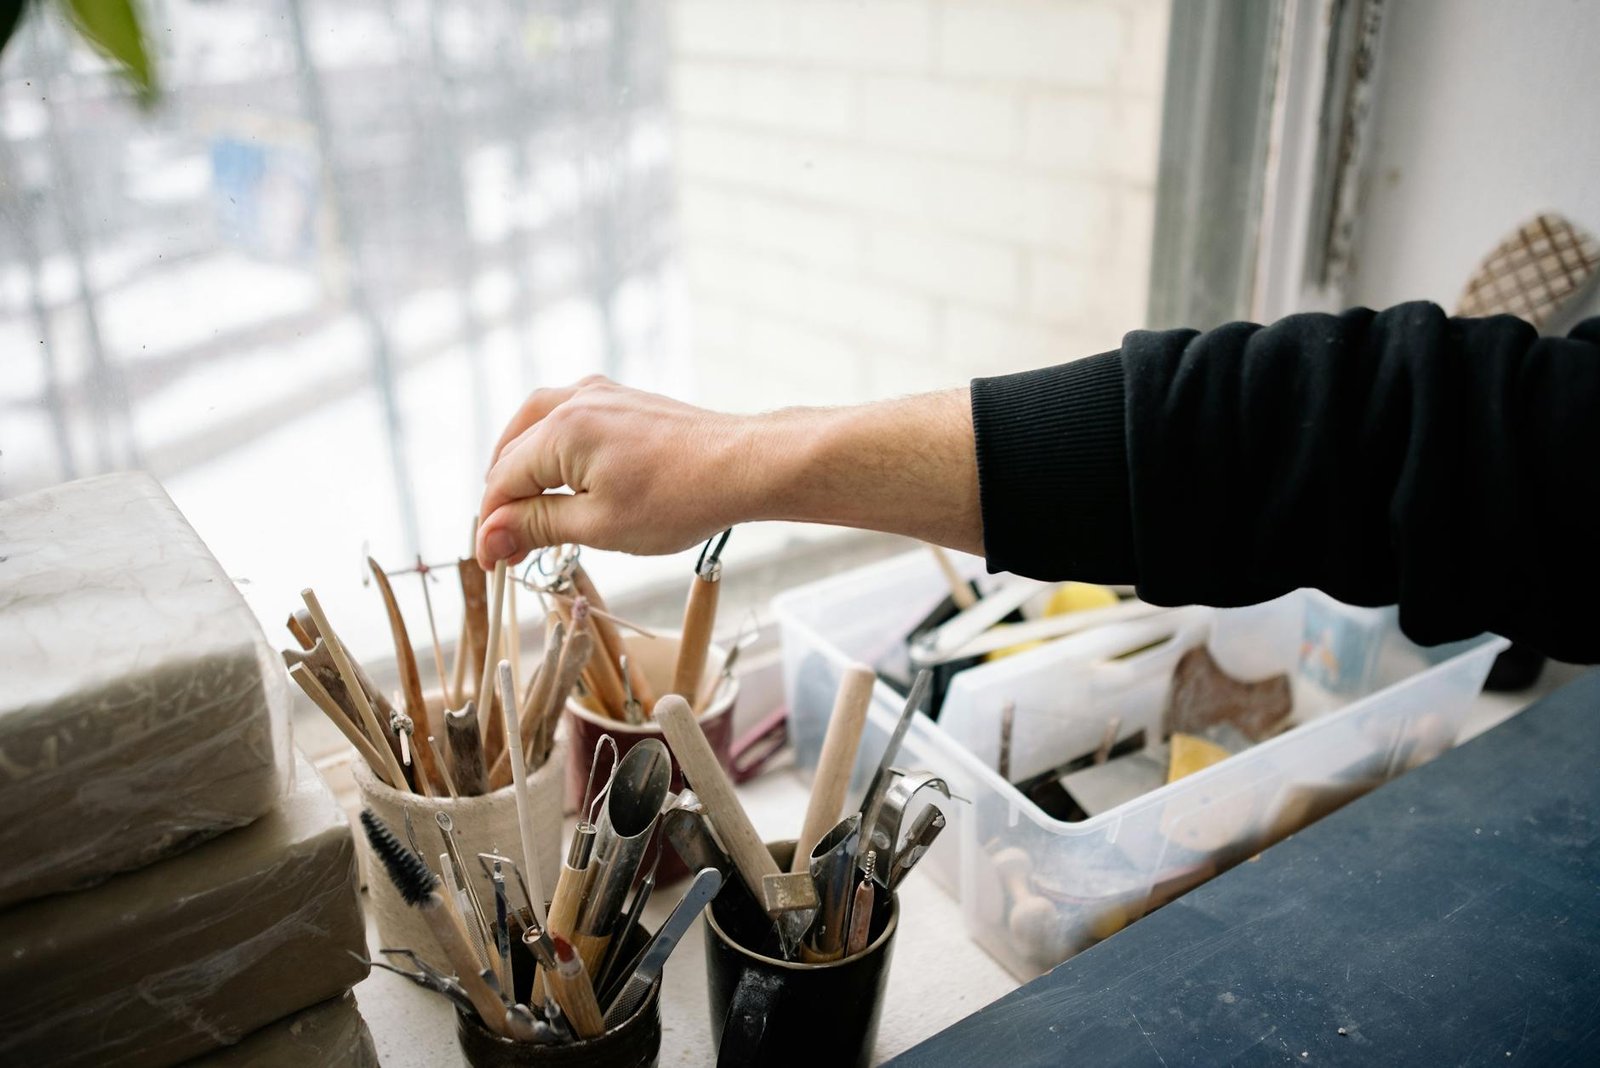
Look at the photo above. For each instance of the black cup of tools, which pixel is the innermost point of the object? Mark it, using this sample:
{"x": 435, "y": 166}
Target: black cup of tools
{"x": 769, "y": 1011}
{"x": 633, "y": 1043}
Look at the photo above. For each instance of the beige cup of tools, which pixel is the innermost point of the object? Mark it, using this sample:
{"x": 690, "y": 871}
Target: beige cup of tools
{"x": 484, "y": 824}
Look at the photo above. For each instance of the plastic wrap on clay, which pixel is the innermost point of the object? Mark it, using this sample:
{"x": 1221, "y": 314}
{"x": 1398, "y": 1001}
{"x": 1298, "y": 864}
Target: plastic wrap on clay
{"x": 142, "y": 709}
{"x": 330, "y": 1034}
{"x": 192, "y": 954}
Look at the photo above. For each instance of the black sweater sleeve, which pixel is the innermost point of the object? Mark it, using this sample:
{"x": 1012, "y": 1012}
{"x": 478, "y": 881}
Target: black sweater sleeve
{"x": 1451, "y": 466}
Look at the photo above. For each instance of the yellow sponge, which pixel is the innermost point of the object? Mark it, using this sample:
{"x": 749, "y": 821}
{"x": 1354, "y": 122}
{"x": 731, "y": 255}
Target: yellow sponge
{"x": 1189, "y": 753}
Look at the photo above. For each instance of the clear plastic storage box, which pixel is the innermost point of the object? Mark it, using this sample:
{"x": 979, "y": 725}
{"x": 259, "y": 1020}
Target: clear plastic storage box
{"x": 1368, "y": 705}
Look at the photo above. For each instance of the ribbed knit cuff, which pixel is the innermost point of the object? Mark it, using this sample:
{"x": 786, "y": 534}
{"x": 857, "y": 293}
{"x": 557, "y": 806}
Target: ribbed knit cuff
{"x": 1053, "y": 471}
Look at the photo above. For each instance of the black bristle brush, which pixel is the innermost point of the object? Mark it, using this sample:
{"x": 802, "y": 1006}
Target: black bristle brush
{"x": 420, "y": 889}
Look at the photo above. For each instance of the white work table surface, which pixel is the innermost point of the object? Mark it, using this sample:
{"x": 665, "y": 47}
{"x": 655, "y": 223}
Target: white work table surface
{"x": 938, "y": 975}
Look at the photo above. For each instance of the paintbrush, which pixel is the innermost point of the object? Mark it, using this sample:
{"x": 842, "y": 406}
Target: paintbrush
{"x": 419, "y": 887}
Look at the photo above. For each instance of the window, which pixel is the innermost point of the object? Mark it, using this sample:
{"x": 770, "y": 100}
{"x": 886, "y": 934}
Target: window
{"x": 306, "y": 288}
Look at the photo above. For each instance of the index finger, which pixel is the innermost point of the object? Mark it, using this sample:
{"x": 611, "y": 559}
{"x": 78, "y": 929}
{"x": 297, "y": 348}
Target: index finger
{"x": 540, "y": 403}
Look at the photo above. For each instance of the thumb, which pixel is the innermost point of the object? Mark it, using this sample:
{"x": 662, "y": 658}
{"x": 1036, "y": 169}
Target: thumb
{"x": 519, "y": 527}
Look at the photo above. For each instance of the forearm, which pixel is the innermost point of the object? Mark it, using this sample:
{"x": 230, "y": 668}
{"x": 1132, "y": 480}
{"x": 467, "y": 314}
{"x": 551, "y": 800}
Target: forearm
{"x": 905, "y": 466}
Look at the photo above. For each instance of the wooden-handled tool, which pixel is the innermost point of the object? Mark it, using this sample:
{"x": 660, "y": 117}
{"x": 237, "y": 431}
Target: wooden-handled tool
{"x": 307, "y": 681}
{"x": 519, "y": 779}
{"x": 789, "y": 898}
{"x": 466, "y": 751}
{"x": 410, "y": 683}
{"x": 960, "y": 590}
{"x": 369, "y": 720}
{"x": 838, "y": 758}
{"x": 699, "y": 618}
{"x": 491, "y": 717}
{"x": 570, "y": 986}
{"x": 610, "y": 640}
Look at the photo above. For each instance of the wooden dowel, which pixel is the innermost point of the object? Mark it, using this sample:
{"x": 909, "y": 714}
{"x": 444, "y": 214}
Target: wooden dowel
{"x": 410, "y": 682}
{"x": 699, "y": 618}
{"x": 302, "y": 675}
{"x": 320, "y": 660}
{"x": 532, "y": 711}
{"x": 358, "y": 693}
{"x": 512, "y": 639}
{"x": 601, "y": 674}
{"x": 466, "y": 751}
{"x": 450, "y": 931}
{"x": 715, "y": 789}
{"x": 838, "y": 759}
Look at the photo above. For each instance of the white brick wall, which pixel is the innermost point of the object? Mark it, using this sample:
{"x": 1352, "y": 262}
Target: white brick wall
{"x": 883, "y": 196}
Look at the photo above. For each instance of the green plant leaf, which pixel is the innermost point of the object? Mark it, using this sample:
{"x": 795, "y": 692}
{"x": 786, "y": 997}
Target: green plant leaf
{"x": 112, "y": 26}
{"x": 10, "y": 15}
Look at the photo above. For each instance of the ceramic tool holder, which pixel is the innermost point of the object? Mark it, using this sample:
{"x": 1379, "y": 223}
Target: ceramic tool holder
{"x": 485, "y": 824}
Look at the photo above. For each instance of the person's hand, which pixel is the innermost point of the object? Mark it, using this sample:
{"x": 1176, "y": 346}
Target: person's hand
{"x": 648, "y": 474}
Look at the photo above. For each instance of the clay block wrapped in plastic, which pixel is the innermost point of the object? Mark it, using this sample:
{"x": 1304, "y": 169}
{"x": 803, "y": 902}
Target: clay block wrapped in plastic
{"x": 142, "y": 709}
{"x": 192, "y": 954}
{"x": 330, "y": 1034}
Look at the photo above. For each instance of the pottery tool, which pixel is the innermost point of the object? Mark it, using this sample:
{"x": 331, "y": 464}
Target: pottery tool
{"x": 569, "y": 984}
{"x": 643, "y": 972}
{"x": 632, "y": 707}
{"x": 789, "y": 899}
{"x": 443, "y": 766}
{"x": 960, "y": 589}
{"x": 519, "y": 784}
{"x": 940, "y": 647}
{"x": 576, "y": 878}
{"x": 474, "y": 912}
{"x": 1032, "y": 919}
{"x": 608, "y": 636}
{"x": 1108, "y": 739}
{"x": 687, "y": 830}
{"x": 832, "y": 864}
{"x": 1203, "y": 695}
{"x": 458, "y": 671}
{"x": 475, "y": 608}
{"x": 601, "y": 674}
{"x": 307, "y": 681}
{"x": 878, "y": 788}
{"x": 425, "y": 575}
{"x": 369, "y": 720}
{"x": 638, "y": 790}
{"x": 1067, "y": 597}
{"x": 502, "y": 927}
{"x": 882, "y": 831}
{"x": 426, "y": 976}
{"x": 419, "y": 888}
{"x": 320, "y": 661}
{"x": 575, "y": 656}
{"x": 930, "y": 822}
{"x": 628, "y": 924}
{"x": 512, "y": 633}
{"x": 491, "y": 717}
{"x": 410, "y": 679}
{"x": 837, "y": 760}
{"x": 699, "y": 618}
{"x": 861, "y": 909}
{"x": 456, "y": 894}
{"x": 531, "y": 715}
{"x": 466, "y": 750}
